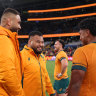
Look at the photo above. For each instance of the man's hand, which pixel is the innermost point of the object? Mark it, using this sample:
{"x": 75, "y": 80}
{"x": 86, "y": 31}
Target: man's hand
{"x": 59, "y": 75}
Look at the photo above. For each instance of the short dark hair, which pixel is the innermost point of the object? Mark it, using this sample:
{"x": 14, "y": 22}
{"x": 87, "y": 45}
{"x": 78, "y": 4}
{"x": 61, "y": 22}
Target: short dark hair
{"x": 89, "y": 23}
{"x": 33, "y": 33}
{"x": 10, "y": 10}
{"x": 62, "y": 42}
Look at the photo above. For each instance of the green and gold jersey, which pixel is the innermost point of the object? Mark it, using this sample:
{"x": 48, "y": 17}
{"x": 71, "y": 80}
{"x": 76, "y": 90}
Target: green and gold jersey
{"x": 61, "y": 55}
{"x": 84, "y": 59}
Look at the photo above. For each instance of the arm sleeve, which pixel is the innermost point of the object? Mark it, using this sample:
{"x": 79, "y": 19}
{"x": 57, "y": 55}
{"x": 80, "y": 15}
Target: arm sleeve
{"x": 8, "y": 75}
{"x": 79, "y": 60}
{"x": 62, "y": 56}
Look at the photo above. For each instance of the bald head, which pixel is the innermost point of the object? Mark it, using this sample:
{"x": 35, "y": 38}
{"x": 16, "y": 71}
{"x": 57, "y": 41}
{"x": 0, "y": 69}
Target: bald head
{"x": 11, "y": 19}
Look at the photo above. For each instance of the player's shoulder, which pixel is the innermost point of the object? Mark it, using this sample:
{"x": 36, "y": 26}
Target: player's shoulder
{"x": 91, "y": 45}
{"x": 61, "y": 54}
{"x": 6, "y": 42}
{"x": 5, "y": 39}
{"x": 84, "y": 48}
{"x": 79, "y": 49}
{"x": 23, "y": 51}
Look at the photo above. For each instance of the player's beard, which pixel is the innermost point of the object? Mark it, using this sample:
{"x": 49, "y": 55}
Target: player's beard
{"x": 56, "y": 50}
{"x": 36, "y": 51}
{"x": 14, "y": 29}
{"x": 84, "y": 42}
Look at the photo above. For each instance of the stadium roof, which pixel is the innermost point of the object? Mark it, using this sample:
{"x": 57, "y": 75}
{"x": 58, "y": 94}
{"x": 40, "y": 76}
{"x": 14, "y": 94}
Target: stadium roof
{"x": 25, "y": 5}
{"x": 42, "y": 4}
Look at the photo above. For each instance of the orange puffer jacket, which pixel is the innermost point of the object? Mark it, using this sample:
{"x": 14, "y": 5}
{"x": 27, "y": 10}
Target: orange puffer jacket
{"x": 10, "y": 64}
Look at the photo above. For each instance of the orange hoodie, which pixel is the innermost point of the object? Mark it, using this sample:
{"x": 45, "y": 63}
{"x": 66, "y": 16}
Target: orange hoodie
{"x": 10, "y": 64}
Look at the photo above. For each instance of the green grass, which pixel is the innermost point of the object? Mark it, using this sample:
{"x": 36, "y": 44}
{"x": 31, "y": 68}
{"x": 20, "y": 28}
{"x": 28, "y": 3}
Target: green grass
{"x": 50, "y": 68}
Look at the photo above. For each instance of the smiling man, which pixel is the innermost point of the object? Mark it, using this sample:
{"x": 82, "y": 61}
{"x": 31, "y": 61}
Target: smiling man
{"x": 60, "y": 71}
{"x": 36, "y": 79}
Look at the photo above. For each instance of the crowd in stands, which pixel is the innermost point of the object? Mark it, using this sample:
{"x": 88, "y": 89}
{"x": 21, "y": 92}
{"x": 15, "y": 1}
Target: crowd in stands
{"x": 49, "y": 51}
{"x": 69, "y": 48}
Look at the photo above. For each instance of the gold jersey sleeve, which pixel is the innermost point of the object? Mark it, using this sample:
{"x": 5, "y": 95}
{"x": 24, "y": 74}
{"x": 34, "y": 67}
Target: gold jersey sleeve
{"x": 79, "y": 60}
{"x": 62, "y": 55}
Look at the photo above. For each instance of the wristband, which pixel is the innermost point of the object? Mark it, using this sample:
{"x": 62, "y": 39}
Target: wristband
{"x": 60, "y": 75}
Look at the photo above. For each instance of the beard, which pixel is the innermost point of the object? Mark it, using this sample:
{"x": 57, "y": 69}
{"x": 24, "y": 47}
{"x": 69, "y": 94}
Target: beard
{"x": 84, "y": 43}
{"x": 55, "y": 50}
{"x": 36, "y": 51}
{"x": 13, "y": 29}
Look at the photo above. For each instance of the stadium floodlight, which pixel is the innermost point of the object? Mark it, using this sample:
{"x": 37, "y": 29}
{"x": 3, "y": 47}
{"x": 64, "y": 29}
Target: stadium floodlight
{"x": 61, "y": 18}
{"x": 62, "y": 9}
{"x": 53, "y": 35}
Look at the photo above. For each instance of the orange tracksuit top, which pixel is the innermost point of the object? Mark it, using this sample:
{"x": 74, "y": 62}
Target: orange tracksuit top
{"x": 36, "y": 79}
{"x": 10, "y": 64}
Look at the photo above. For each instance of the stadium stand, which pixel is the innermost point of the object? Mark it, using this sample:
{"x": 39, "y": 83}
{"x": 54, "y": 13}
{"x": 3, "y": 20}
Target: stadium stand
{"x": 52, "y": 26}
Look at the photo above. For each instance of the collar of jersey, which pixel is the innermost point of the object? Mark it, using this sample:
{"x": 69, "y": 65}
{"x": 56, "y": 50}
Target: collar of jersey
{"x": 59, "y": 52}
{"x": 30, "y": 50}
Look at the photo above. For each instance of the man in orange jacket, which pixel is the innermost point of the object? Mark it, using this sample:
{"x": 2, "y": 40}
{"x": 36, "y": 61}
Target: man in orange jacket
{"x": 10, "y": 60}
{"x": 36, "y": 79}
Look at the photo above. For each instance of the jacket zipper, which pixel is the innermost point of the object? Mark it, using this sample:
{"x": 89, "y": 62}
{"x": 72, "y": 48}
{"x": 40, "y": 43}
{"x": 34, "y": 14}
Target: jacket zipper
{"x": 19, "y": 56}
{"x": 41, "y": 79}
{"x": 40, "y": 73}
